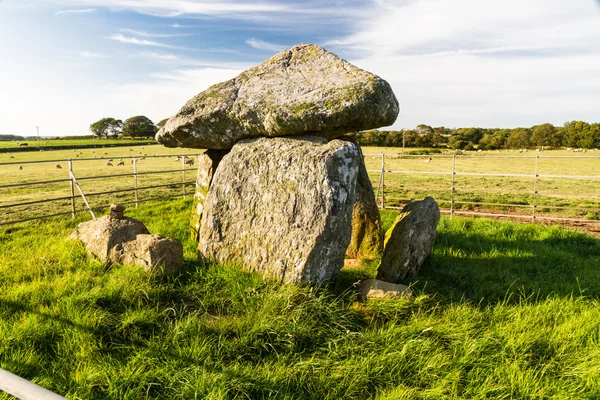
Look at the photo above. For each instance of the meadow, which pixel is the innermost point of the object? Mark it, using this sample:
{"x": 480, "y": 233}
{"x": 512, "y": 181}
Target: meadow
{"x": 413, "y": 179}
{"x": 500, "y": 311}
{"x": 554, "y": 196}
{"x": 85, "y": 165}
{"x": 47, "y": 142}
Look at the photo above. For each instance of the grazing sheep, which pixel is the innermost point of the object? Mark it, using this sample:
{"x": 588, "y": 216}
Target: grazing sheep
{"x": 130, "y": 149}
{"x": 58, "y": 166}
{"x": 189, "y": 161}
{"x": 109, "y": 164}
{"x": 177, "y": 158}
{"x": 132, "y": 161}
{"x": 11, "y": 157}
{"x": 20, "y": 167}
{"x": 428, "y": 160}
{"x": 110, "y": 160}
{"x": 140, "y": 153}
{"x": 121, "y": 163}
{"x": 93, "y": 151}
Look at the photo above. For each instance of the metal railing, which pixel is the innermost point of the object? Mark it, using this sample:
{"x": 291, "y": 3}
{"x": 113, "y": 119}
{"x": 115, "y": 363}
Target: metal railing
{"x": 73, "y": 182}
{"x": 453, "y": 172}
{"x": 24, "y": 389}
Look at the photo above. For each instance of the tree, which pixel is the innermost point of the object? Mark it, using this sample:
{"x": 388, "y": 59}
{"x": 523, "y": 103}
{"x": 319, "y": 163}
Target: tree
{"x": 138, "y": 127}
{"x": 518, "y": 139}
{"x": 106, "y": 127}
{"x": 543, "y": 135}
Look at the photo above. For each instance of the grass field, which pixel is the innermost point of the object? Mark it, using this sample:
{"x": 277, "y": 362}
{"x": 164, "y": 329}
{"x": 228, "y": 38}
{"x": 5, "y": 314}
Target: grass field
{"x": 552, "y": 192}
{"x": 45, "y": 142}
{"x": 501, "y": 311}
{"x": 85, "y": 166}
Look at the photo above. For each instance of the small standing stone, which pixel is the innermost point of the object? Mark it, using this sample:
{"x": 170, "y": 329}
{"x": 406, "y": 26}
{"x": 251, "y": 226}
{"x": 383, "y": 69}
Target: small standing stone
{"x": 116, "y": 211}
{"x": 409, "y": 241}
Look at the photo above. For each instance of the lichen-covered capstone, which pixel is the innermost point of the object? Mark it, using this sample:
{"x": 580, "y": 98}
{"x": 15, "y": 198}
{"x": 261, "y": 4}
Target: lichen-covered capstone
{"x": 367, "y": 235}
{"x": 207, "y": 164}
{"x": 409, "y": 241}
{"x": 304, "y": 90}
{"x": 282, "y": 207}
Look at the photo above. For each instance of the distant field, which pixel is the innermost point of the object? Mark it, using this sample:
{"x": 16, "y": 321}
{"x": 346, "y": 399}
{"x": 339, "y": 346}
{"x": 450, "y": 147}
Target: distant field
{"x": 84, "y": 166}
{"x": 70, "y": 142}
{"x": 551, "y": 191}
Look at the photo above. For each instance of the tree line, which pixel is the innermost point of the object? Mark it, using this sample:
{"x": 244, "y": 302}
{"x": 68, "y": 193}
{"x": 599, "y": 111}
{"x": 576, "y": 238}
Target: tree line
{"x": 139, "y": 126}
{"x": 576, "y": 134}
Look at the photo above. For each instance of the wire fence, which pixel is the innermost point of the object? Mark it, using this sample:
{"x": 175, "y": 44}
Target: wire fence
{"x": 485, "y": 185}
{"x": 130, "y": 180}
{"x": 559, "y": 188}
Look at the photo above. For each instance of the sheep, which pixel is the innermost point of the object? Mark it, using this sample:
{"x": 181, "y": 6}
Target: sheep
{"x": 189, "y": 161}
{"x": 58, "y": 166}
{"x": 428, "y": 160}
{"x": 130, "y": 149}
{"x": 105, "y": 153}
{"x": 20, "y": 167}
{"x": 121, "y": 163}
{"x": 140, "y": 153}
{"x": 109, "y": 164}
{"x": 110, "y": 160}
{"x": 11, "y": 157}
{"x": 177, "y": 158}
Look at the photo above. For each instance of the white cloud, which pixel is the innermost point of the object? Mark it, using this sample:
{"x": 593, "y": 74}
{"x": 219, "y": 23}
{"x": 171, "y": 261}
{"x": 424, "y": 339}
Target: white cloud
{"x": 89, "y": 54}
{"x": 262, "y": 45}
{"x": 85, "y": 11}
{"x": 140, "y": 42}
{"x": 152, "y": 35}
{"x": 159, "y": 56}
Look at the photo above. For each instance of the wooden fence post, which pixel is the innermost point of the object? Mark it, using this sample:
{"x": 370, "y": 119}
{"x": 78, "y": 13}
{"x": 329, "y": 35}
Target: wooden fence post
{"x": 382, "y": 180}
{"x": 72, "y": 185}
{"x": 534, "y": 194}
{"x": 183, "y": 175}
{"x": 452, "y": 189}
{"x": 135, "y": 182}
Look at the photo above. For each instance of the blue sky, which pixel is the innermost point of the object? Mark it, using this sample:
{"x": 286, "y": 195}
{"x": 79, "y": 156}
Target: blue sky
{"x": 68, "y": 63}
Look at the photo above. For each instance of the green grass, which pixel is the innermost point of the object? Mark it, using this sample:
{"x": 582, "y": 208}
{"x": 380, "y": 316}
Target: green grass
{"x": 46, "y": 142}
{"x": 501, "y": 311}
{"x": 551, "y": 192}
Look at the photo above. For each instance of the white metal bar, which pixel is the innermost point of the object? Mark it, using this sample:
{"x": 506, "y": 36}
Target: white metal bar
{"x": 23, "y": 389}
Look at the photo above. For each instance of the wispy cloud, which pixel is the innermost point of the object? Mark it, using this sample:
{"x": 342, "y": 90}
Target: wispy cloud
{"x": 159, "y": 56}
{"x": 84, "y": 11}
{"x": 152, "y": 35}
{"x": 140, "y": 42}
{"x": 263, "y": 45}
{"x": 89, "y": 54}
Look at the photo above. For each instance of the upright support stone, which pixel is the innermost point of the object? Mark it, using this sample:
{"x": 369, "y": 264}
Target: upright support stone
{"x": 207, "y": 165}
{"x": 282, "y": 207}
{"x": 409, "y": 241}
{"x": 367, "y": 235}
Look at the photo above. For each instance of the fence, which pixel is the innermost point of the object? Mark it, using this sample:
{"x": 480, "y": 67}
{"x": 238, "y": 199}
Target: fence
{"x": 530, "y": 187}
{"x": 44, "y": 195}
{"x": 508, "y": 176}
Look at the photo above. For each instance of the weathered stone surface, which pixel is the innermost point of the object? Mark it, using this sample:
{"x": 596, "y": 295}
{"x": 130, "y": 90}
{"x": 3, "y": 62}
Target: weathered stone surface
{"x": 207, "y": 164}
{"x": 376, "y": 289}
{"x": 102, "y": 234}
{"x": 409, "y": 241}
{"x": 117, "y": 207}
{"x": 367, "y": 235}
{"x": 302, "y": 91}
{"x": 282, "y": 207}
{"x": 156, "y": 254}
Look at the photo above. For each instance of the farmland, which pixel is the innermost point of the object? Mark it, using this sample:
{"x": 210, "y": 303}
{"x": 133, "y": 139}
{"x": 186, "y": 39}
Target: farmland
{"x": 555, "y": 196}
{"x": 46, "y": 142}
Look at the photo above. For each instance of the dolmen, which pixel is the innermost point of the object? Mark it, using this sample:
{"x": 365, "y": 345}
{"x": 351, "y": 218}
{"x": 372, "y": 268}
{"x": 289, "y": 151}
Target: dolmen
{"x": 280, "y": 190}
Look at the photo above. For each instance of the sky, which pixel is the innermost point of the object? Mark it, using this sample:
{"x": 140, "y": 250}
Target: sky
{"x": 65, "y": 64}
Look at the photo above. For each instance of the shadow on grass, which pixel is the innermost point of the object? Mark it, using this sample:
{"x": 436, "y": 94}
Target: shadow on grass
{"x": 508, "y": 262}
